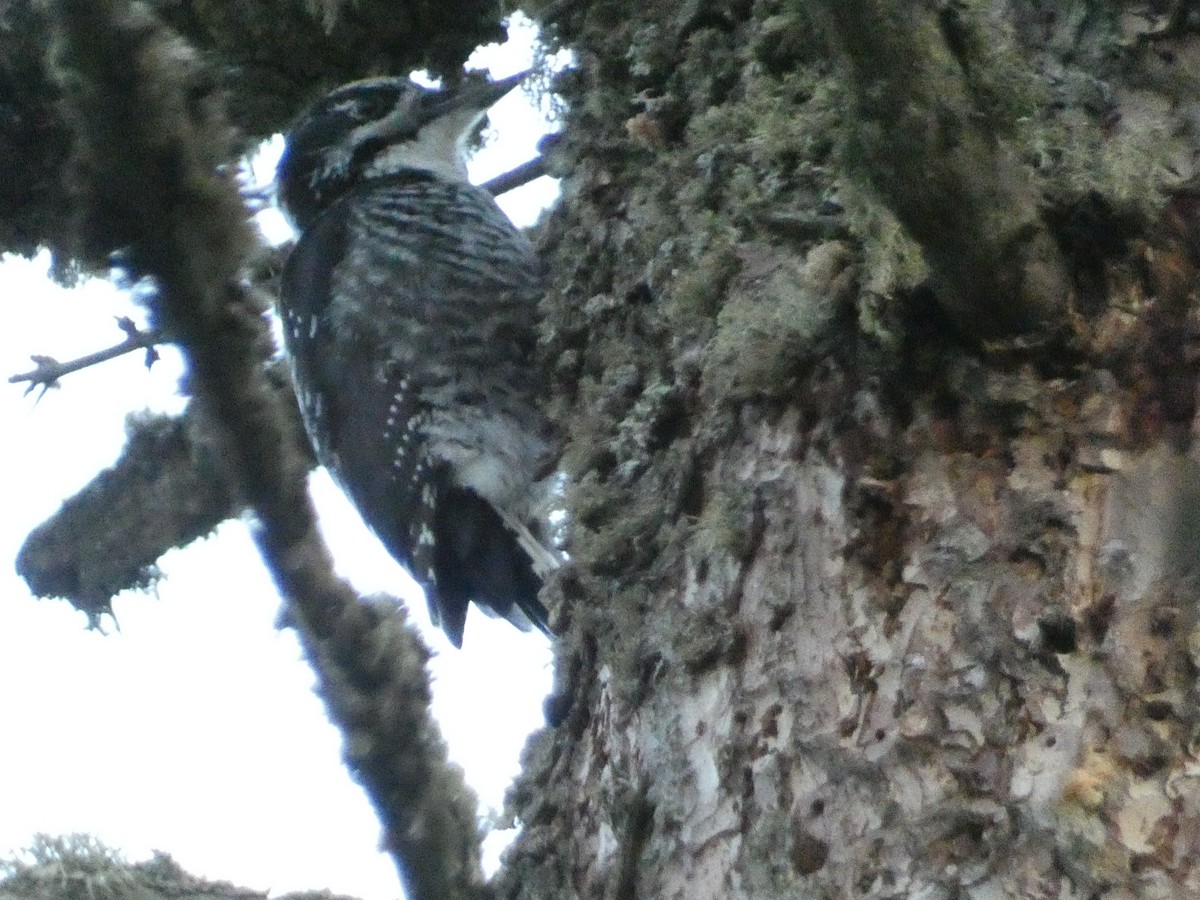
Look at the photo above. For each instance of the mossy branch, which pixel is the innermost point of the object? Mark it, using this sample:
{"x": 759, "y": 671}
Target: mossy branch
{"x": 150, "y": 136}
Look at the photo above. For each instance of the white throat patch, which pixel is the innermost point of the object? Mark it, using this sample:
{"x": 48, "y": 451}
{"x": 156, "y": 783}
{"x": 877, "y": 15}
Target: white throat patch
{"x": 439, "y": 147}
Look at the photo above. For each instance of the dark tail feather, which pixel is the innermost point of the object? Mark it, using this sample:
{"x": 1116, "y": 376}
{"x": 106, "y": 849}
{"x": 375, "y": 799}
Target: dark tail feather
{"x": 477, "y": 559}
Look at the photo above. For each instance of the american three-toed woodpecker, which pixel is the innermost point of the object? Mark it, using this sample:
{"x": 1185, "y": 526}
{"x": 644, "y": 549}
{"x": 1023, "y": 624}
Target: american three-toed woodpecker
{"x": 409, "y": 313}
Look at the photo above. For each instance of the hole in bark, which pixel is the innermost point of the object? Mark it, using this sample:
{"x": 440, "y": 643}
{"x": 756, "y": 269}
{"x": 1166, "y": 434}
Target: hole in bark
{"x": 770, "y": 721}
{"x": 1025, "y": 556}
{"x": 1163, "y": 625}
{"x": 640, "y": 294}
{"x": 672, "y": 424}
{"x": 1142, "y": 862}
{"x": 1099, "y": 617}
{"x": 817, "y": 808}
{"x": 780, "y": 616}
{"x": 809, "y": 853}
{"x": 1058, "y": 632}
{"x": 1090, "y": 231}
{"x": 1148, "y": 766}
{"x": 1155, "y": 681}
{"x": 1158, "y": 710}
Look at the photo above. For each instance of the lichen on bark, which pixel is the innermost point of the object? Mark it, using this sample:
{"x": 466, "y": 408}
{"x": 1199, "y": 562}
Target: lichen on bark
{"x": 842, "y": 598}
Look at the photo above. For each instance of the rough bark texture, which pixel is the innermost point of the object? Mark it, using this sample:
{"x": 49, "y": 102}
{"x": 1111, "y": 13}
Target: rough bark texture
{"x": 882, "y": 587}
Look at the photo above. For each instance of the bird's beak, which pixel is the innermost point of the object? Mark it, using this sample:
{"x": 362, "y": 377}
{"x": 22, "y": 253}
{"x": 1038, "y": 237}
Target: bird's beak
{"x": 465, "y": 106}
{"x": 483, "y": 95}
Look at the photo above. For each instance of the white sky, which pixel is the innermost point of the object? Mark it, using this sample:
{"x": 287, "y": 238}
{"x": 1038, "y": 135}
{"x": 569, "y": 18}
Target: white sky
{"x": 193, "y": 728}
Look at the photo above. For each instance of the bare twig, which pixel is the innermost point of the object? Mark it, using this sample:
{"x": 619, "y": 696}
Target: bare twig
{"x": 49, "y": 370}
{"x": 515, "y": 178}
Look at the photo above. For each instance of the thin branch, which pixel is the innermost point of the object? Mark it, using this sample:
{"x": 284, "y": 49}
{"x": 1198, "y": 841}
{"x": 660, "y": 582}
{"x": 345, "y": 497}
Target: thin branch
{"x": 49, "y": 370}
{"x": 515, "y": 178}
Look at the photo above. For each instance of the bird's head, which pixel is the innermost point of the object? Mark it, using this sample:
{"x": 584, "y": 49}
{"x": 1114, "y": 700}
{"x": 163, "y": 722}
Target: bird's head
{"x": 375, "y": 129}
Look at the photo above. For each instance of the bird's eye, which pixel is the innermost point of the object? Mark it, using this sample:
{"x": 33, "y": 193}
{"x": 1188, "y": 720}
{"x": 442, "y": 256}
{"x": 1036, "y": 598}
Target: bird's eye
{"x": 364, "y": 106}
{"x": 346, "y": 106}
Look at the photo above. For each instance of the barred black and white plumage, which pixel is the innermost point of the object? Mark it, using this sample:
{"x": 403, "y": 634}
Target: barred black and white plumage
{"x": 409, "y": 310}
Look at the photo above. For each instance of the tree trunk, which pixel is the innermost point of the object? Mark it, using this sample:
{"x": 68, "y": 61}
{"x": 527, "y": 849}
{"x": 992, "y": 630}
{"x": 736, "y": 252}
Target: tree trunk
{"x": 875, "y": 333}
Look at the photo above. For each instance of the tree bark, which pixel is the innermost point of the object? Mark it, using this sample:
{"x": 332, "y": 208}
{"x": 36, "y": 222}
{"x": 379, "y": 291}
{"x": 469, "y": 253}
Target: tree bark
{"x": 884, "y": 528}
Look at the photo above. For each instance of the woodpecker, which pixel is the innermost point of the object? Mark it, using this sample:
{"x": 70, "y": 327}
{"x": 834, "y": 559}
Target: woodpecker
{"x": 409, "y": 309}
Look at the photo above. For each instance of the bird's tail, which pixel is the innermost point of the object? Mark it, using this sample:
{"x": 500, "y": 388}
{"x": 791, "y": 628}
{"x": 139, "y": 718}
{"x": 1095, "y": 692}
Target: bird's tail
{"x": 478, "y": 558}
